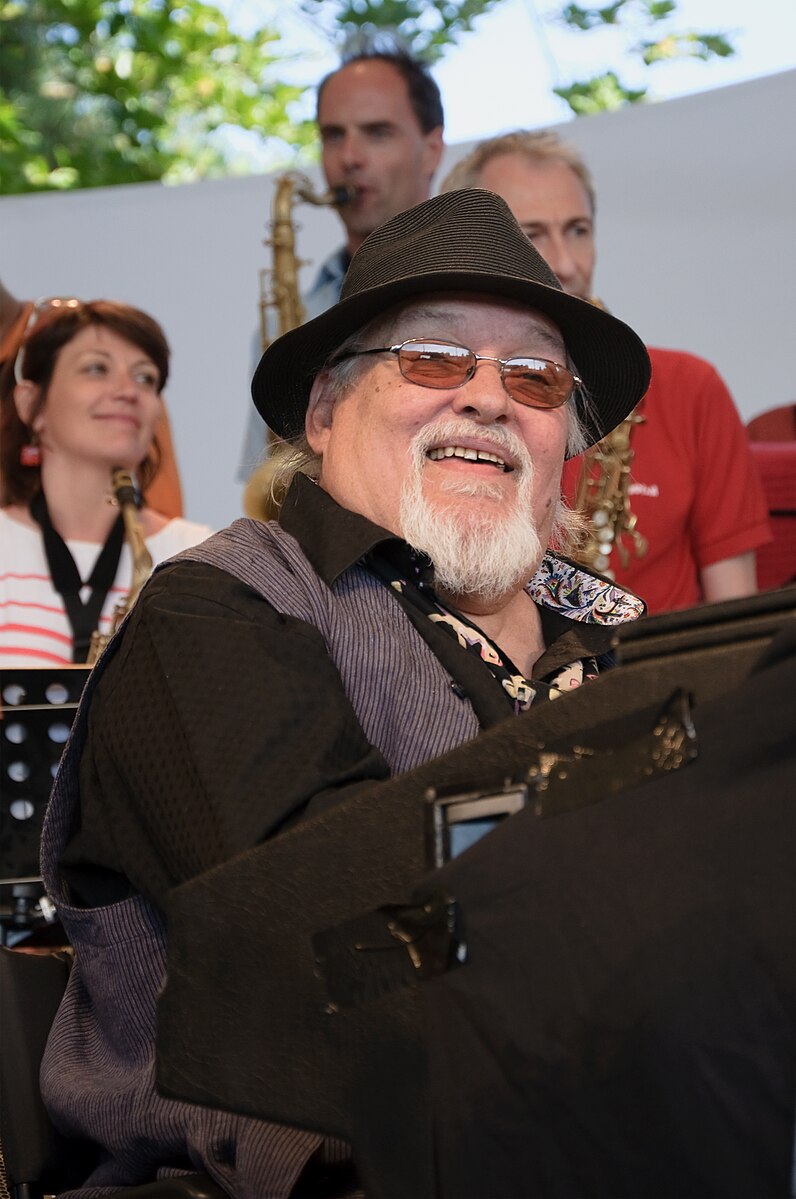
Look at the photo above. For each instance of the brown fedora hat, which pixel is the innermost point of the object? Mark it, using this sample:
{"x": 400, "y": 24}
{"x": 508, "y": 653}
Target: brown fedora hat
{"x": 464, "y": 240}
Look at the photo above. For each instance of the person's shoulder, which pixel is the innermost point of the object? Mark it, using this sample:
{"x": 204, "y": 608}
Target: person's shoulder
{"x": 182, "y": 586}
{"x": 325, "y": 289}
{"x": 243, "y": 550}
{"x": 668, "y": 363}
{"x": 177, "y": 534}
{"x": 680, "y": 379}
{"x": 16, "y": 525}
{"x": 334, "y": 266}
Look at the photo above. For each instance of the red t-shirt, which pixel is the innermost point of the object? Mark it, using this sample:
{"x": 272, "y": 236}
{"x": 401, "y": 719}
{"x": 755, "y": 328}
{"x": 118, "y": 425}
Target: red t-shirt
{"x": 694, "y": 487}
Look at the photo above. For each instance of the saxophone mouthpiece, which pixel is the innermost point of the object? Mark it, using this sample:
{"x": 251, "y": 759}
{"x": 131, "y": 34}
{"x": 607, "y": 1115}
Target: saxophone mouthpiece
{"x": 343, "y": 194}
{"x": 125, "y": 487}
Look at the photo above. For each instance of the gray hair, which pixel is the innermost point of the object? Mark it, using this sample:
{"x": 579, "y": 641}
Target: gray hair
{"x": 539, "y": 145}
{"x": 296, "y": 456}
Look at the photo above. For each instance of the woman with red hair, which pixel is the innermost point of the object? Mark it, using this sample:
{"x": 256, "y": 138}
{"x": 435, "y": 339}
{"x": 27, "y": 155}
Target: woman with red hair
{"x": 82, "y": 398}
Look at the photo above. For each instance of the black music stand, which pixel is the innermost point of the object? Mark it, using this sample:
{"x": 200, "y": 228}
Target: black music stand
{"x": 542, "y": 1032}
{"x": 38, "y": 706}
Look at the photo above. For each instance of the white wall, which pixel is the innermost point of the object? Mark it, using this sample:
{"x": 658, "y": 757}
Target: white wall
{"x": 695, "y": 234}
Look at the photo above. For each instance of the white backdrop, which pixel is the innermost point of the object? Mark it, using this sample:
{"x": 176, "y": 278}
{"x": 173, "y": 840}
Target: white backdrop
{"x": 696, "y": 251}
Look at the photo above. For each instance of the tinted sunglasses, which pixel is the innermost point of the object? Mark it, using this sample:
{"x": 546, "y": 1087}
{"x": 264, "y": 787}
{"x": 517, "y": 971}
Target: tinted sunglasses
{"x": 534, "y": 382}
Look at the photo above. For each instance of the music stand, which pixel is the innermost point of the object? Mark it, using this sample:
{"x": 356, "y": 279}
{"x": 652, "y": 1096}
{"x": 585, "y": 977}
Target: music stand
{"x": 37, "y": 708}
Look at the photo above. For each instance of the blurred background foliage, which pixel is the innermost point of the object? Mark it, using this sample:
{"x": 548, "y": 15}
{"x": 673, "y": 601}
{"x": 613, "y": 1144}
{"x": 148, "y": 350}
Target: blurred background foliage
{"x": 99, "y": 92}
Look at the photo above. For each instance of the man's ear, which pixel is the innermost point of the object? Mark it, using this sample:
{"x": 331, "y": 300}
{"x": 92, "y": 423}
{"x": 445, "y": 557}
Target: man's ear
{"x": 26, "y": 395}
{"x": 320, "y": 413}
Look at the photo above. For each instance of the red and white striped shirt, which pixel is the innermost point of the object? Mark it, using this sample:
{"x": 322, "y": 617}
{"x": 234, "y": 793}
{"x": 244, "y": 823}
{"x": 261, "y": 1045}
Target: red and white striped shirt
{"x": 34, "y": 627}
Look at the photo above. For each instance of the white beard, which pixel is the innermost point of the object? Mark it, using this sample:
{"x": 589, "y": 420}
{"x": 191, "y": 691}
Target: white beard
{"x": 477, "y": 549}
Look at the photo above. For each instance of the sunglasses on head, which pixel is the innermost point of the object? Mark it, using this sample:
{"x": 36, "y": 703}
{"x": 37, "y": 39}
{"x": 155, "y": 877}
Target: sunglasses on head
{"x": 534, "y": 382}
{"x": 39, "y": 309}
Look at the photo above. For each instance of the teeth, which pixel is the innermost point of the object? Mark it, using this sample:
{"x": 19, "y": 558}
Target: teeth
{"x": 471, "y": 455}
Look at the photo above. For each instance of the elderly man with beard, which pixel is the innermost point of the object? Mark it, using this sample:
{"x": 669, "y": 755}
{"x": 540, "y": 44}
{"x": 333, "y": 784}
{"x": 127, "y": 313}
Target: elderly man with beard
{"x": 406, "y": 600}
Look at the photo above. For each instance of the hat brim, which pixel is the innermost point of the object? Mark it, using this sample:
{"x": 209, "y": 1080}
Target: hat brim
{"x": 608, "y": 356}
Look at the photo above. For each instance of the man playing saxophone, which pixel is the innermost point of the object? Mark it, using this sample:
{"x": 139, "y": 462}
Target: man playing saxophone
{"x": 686, "y": 471}
{"x": 380, "y": 121}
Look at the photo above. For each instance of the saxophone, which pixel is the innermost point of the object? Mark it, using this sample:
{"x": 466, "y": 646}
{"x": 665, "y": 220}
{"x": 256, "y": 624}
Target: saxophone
{"x": 279, "y": 287}
{"x": 603, "y": 497}
{"x": 279, "y": 290}
{"x": 127, "y": 496}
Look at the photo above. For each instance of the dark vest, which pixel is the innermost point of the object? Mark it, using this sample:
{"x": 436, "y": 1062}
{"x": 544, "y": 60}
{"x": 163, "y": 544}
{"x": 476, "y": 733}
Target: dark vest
{"x": 98, "y": 1072}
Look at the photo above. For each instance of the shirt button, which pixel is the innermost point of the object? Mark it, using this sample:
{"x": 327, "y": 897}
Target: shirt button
{"x": 458, "y": 690}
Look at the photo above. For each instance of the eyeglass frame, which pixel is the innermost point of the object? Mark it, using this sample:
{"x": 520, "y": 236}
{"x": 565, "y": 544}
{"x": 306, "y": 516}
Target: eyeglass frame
{"x": 501, "y": 362}
{"x": 39, "y": 307}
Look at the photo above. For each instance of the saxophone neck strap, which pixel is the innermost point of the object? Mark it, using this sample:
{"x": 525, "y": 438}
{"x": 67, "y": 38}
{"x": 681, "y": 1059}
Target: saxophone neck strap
{"x": 83, "y": 615}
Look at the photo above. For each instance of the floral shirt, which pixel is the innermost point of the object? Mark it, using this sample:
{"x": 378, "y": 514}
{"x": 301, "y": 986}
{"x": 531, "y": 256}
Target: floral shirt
{"x": 558, "y": 585}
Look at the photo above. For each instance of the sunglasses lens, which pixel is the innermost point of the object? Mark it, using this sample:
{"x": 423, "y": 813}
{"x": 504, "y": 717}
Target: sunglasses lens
{"x": 431, "y": 364}
{"x": 537, "y": 383}
{"x": 41, "y": 309}
{"x": 533, "y": 382}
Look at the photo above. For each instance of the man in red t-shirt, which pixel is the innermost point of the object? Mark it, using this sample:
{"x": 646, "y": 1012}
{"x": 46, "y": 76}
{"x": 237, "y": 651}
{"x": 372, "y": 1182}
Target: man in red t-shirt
{"x": 693, "y": 485}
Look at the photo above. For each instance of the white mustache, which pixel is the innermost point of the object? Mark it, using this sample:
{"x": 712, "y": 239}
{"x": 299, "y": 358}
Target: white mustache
{"x": 477, "y": 549}
{"x": 503, "y": 441}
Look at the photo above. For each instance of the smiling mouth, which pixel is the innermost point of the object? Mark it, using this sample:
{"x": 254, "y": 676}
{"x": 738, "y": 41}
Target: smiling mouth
{"x": 120, "y": 417}
{"x": 468, "y": 454}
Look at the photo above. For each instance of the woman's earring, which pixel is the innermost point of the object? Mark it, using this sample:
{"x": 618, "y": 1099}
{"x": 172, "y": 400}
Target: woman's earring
{"x": 30, "y": 454}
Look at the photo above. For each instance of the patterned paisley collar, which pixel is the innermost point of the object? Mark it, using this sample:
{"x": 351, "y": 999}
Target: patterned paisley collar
{"x": 579, "y": 595}
{"x": 559, "y": 585}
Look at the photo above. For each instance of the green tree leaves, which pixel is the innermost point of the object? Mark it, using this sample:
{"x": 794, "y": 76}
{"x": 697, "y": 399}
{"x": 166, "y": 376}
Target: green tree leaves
{"x": 601, "y": 93}
{"x": 605, "y": 90}
{"x": 428, "y": 26}
{"x": 95, "y": 92}
{"x": 119, "y": 91}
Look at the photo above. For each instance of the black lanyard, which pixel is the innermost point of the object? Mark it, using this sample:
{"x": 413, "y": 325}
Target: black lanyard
{"x": 83, "y": 617}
